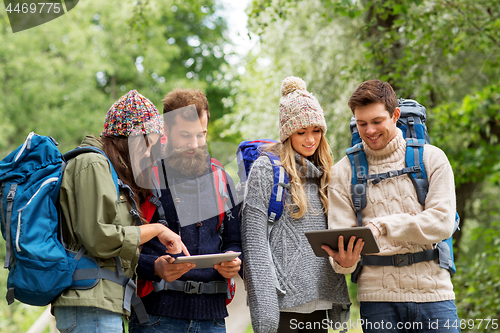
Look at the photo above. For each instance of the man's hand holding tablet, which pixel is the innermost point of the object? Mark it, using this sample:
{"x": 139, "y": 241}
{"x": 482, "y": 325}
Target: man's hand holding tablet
{"x": 344, "y": 245}
{"x": 346, "y": 258}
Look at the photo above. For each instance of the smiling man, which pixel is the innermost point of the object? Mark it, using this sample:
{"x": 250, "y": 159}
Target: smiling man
{"x": 194, "y": 190}
{"x": 416, "y": 296}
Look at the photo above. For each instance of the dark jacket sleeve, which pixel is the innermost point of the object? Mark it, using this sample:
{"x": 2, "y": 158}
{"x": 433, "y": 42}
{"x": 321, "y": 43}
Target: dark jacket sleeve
{"x": 146, "y": 265}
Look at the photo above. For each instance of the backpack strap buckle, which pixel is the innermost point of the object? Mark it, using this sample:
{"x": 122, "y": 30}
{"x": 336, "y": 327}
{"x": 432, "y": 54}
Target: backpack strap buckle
{"x": 155, "y": 200}
{"x": 360, "y": 176}
{"x": 287, "y": 186}
{"x": 400, "y": 260}
{"x": 12, "y": 192}
{"x": 134, "y": 213}
{"x": 271, "y": 217}
{"x": 415, "y": 169}
{"x": 392, "y": 173}
{"x": 193, "y": 287}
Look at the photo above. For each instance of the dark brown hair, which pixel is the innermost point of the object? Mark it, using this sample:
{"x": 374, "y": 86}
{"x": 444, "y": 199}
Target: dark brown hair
{"x": 374, "y": 91}
{"x": 116, "y": 149}
{"x": 179, "y": 98}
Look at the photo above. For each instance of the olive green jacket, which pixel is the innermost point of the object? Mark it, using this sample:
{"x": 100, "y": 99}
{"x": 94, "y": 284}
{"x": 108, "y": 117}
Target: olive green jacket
{"x": 96, "y": 218}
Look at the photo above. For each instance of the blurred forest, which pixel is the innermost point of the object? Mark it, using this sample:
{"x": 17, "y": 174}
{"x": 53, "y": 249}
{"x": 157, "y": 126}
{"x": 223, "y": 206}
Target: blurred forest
{"x": 59, "y": 79}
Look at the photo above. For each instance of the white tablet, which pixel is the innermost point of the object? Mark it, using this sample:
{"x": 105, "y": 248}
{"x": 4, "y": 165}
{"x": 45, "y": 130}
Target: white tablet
{"x": 330, "y": 237}
{"x": 207, "y": 260}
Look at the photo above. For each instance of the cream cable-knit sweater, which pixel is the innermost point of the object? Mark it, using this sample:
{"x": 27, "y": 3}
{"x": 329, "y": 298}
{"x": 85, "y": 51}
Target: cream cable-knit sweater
{"x": 405, "y": 226}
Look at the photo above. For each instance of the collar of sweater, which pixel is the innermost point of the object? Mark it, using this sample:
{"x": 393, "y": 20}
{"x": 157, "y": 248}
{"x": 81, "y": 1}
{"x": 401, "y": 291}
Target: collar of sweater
{"x": 393, "y": 152}
{"x": 312, "y": 170}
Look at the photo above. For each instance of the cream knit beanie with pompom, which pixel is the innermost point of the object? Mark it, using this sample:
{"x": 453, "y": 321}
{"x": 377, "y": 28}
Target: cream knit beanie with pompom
{"x": 298, "y": 108}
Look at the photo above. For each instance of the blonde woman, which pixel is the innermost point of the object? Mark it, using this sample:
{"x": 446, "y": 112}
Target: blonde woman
{"x": 306, "y": 288}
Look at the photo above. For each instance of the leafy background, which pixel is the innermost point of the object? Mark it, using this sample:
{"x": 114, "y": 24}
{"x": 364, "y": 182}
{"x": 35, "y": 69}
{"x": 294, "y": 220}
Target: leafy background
{"x": 60, "y": 78}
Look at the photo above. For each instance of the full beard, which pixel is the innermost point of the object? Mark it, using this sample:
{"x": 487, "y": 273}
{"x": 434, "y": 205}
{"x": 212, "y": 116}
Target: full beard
{"x": 193, "y": 165}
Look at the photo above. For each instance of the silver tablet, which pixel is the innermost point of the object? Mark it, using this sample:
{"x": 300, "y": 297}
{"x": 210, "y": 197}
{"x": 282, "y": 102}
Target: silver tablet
{"x": 207, "y": 260}
{"x": 330, "y": 237}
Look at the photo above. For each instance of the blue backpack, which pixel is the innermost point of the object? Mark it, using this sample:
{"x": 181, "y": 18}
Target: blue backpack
{"x": 40, "y": 266}
{"x": 412, "y": 124}
{"x": 246, "y": 154}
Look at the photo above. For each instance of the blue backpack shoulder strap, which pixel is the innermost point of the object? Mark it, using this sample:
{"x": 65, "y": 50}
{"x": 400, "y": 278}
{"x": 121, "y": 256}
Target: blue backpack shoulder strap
{"x": 415, "y": 158}
{"x": 276, "y": 205}
{"x": 89, "y": 149}
{"x": 278, "y": 194}
{"x": 359, "y": 168}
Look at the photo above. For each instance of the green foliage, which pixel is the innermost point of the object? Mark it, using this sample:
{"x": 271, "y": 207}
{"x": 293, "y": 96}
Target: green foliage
{"x": 478, "y": 275}
{"x": 430, "y": 50}
{"x": 60, "y": 78}
{"x": 470, "y": 134}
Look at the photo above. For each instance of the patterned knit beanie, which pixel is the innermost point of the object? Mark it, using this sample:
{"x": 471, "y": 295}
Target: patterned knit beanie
{"x": 132, "y": 114}
{"x": 298, "y": 108}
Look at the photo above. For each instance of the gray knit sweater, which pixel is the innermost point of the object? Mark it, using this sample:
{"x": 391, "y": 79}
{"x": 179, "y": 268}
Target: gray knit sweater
{"x": 303, "y": 277}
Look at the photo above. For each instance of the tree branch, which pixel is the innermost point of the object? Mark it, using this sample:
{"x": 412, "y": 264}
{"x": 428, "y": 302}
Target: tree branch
{"x": 474, "y": 24}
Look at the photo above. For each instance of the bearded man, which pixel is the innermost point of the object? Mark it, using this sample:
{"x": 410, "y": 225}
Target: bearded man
{"x": 191, "y": 201}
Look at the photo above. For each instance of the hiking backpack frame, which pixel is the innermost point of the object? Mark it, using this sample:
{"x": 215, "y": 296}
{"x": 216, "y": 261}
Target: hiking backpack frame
{"x": 412, "y": 124}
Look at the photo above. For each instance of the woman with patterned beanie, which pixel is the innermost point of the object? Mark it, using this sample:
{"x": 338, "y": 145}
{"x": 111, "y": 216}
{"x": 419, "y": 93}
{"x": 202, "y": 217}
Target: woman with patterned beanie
{"x": 106, "y": 224}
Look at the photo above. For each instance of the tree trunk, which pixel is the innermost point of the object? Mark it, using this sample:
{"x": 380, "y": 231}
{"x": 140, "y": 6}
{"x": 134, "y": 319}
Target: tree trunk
{"x": 465, "y": 194}
{"x": 386, "y": 52}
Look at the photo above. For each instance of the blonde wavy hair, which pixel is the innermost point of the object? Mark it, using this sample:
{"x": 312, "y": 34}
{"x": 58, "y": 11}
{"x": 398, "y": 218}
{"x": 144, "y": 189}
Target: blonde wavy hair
{"x": 321, "y": 158}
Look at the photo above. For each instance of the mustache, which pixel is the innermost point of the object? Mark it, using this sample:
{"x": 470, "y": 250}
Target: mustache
{"x": 169, "y": 151}
{"x": 194, "y": 165}
{"x": 183, "y": 149}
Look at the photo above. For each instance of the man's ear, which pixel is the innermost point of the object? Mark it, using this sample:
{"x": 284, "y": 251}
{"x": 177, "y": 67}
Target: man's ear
{"x": 396, "y": 114}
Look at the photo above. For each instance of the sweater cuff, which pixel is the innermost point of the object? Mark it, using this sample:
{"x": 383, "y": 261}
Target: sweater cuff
{"x": 381, "y": 228}
{"x": 131, "y": 240}
{"x": 265, "y": 329}
{"x": 146, "y": 267}
{"x": 342, "y": 270}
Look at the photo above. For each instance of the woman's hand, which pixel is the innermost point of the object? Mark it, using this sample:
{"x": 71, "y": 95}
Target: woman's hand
{"x": 345, "y": 258}
{"x": 172, "y": 241}
{"x": 166, "y": 236}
